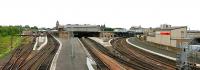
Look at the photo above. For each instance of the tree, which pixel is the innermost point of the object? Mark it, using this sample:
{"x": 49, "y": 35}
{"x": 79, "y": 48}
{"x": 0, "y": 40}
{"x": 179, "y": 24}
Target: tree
{"x": 10, "y": 30}
{"x": 27, "y": 26}
{"x": 34, "y": 27}
{"x": 108, "y": 29}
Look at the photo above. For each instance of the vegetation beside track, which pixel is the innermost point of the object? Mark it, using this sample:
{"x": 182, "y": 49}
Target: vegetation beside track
{"x": 6, "y": 35}
{"x": 5, "y": 46}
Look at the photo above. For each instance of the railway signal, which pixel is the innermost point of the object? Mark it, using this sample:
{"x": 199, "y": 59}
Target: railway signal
{"x": 182, "y": 56}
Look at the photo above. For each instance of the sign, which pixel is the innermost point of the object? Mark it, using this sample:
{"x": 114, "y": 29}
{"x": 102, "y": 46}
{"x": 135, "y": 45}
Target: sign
{"x": 164, "y": 33}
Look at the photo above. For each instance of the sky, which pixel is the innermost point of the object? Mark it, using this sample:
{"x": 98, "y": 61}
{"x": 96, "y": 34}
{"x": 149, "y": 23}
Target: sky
{"x": 112, "y": 13}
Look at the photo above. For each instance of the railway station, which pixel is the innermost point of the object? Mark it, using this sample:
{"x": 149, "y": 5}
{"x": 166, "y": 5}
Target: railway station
{"x": 99, "y": 35}
{"x": 93, "y": 47}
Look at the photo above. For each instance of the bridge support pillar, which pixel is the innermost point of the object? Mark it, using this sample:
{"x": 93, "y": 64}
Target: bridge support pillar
{"x": 63, "y": 34}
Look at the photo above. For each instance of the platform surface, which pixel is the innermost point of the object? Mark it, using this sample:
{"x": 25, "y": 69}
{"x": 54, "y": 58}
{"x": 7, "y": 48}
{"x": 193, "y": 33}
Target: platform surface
{"x": 149, "y": 47}
{"x": 71, "y": 58}
{"x": 100, "y": 41}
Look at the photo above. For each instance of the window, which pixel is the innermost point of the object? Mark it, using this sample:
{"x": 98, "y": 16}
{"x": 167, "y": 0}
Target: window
{"x": 182, "y": 34}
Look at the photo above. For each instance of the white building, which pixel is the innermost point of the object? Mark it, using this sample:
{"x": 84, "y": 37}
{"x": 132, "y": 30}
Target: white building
{"x": 137, "y": 29}
{"x": 167, "y": 35}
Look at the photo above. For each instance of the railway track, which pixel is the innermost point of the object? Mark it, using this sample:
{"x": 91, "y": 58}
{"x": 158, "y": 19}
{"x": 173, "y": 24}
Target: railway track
{"x": 19, "y": 55}
{"x": 141, "y": 57}
{"x": 42, "y": 60}
{"x": 137, "y": 60}
{"x": 117, "y": 58}
{"x": 100, "y": 64}
{"x": 24, "y": 58}
{"x": 47, "y": 62}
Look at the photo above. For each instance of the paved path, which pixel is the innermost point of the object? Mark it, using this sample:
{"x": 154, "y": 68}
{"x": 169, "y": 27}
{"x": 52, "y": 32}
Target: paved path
{"x": 69, "y": 59}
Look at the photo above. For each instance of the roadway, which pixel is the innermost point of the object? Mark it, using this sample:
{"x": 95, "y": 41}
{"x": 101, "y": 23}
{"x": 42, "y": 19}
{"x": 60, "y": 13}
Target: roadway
{"x": 72, "y": 56}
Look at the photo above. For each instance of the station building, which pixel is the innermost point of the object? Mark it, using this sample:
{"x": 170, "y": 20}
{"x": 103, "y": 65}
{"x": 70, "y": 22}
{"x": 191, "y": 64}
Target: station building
{"x": 88, "y": 30}
{"x": 107, "y": 34}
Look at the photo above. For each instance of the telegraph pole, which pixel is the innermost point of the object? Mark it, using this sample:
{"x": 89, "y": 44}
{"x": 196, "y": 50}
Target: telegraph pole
{"x": 11, "y": 38}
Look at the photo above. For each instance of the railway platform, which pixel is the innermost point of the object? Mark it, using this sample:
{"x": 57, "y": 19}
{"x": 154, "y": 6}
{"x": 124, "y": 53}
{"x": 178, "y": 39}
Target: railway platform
{"x": 100, "y": 41}
{"x": 41, "y": 42}
{"x": 160, "y": 52}
{"x": 106, "y": 44}
{"x": 154, "y": 49}
{"x": 71, "y": 56}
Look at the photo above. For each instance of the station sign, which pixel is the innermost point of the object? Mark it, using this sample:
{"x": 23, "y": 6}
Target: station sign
{"x": 163, "y": 33}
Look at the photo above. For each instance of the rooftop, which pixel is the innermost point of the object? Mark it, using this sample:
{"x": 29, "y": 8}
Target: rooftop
{"x": 169, "y": 28}
{"x": 193, "y": 31}
{"x": 81, "y": 25}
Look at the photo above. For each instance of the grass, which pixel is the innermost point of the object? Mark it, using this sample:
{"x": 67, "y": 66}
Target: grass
{"x": 5, "y": 46}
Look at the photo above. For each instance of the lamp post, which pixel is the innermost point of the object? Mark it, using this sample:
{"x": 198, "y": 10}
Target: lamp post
{"x": 72, "y": 46}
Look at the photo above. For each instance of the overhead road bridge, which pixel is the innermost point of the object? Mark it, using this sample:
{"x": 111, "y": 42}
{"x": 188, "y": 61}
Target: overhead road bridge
{"x": 86, "y": 30}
